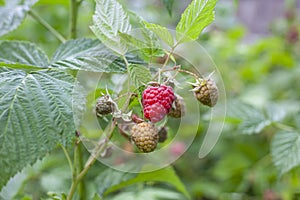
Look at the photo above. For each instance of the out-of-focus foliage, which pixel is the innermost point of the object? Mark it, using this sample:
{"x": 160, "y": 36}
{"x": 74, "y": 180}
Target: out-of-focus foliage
{"x": 262, "y": 85}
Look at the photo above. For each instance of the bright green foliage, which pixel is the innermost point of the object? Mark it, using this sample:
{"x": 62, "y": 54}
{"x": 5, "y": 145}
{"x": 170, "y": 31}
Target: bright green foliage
{"x": 110, "y": 19}
{"x": 198, "y": 15}
{"x": 36, "y": 115}
{"x": 25, "y": 53}
{"x": 139, "y": 74}
{"x": 116, "y": 180}
{"x": 13, "y": 13}
{"x": 162, "y": 32}
{"x": 285, "y": 150}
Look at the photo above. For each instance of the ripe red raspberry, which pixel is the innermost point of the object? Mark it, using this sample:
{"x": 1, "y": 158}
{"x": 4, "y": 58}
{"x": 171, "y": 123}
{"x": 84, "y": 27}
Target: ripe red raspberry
{"x": 157, "y": 102}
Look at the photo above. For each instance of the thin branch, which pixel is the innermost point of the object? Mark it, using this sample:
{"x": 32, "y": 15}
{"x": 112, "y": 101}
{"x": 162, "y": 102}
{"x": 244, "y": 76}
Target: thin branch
{"x": 68, "y": 157}
{"x": 90, "y": 162}
{"x": 73, "y": 18}
{"x": 45, "y": 24}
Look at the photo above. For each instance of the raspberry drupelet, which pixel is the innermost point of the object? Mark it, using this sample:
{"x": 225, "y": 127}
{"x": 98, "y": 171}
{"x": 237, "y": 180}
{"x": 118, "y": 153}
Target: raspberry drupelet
{"x": 157, "y": 102}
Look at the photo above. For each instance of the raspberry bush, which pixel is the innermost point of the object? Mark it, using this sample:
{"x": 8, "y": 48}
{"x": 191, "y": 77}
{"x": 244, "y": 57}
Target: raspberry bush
{"x": 91, "y": 87}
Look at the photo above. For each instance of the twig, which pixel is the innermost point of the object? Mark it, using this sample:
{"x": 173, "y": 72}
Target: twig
{"x": 45, "y": 24}
{"x": 68, "y": 157}
{"x": 73, "y": 18}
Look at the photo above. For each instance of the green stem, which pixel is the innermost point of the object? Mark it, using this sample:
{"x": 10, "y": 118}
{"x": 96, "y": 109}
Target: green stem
{"x": 128, "y": 85}
{"x": 45, "y": 24}
{"x": 81, "y": 186}
{"x": 74, "y": 174}
{"x": 68, "y": 157}
{"x": 73, "y": 18}
{"x": 188, "y": 72}
{"x": 166, "y": 62}
{"x": 283, "y": 126}
{"x": 77, "y": 179}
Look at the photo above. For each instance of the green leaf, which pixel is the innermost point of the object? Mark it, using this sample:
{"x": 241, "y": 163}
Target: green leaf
{"x": 169, "y": 5}
{"x": 13, "y": 13}
{"x": 162, "y": 32}
{"x": 53, "y": 2}
{"x": 275, "y": 112}
{"x": 139, "y": 74}
{"x": 110, "y": 19}
{"x": 149, "y": 194}
{"x": 110, "y": 178}
{"x": 87, "y": 55}
{"x": 2, "y": 2}
{"x": 198, "y": 15}
{"x": 166, "y": 175}
{"x": 96, "y": 197}
{"x": 252, "y": 120}
{"x": 35, "y": 115}
{"x": 143, "y": 40}
{"x": 25, "y": 53}
{"x": 285, "y": 149}
{"x": 146, "y": 48}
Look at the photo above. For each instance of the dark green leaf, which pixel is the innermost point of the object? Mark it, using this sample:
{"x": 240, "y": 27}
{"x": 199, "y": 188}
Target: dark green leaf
{"x": 166, "y": 175}
{"x": 285, "y": 150}
{"x": 110, "y": 178}
{"x": 25, "y": 53}
{"x": 36, "y": 115}
{"x": 13, "y": 13}
{"x": 149, "y": 194}
{"x": 169, "y": 5}
{"x": 87, "y": 55}
{"x": 198, "y": 15}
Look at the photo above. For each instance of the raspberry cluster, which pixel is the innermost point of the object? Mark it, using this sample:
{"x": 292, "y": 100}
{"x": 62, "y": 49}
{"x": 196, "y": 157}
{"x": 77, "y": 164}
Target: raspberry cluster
{"x": 157, "y": 102}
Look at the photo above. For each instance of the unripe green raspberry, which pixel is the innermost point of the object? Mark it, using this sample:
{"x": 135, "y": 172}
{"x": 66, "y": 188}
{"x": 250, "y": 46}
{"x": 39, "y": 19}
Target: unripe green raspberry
{"x": 145, "y": 136}
{"x": 104, "y": 106}
{"x": 206, "y": 92}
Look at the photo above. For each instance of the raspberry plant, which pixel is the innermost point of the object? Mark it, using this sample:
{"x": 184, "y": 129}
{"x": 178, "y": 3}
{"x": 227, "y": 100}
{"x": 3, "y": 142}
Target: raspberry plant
{"x": 36, "y": 91}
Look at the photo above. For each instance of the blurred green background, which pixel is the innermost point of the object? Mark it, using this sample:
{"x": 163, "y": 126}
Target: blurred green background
{"x": 255, "y": 45}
